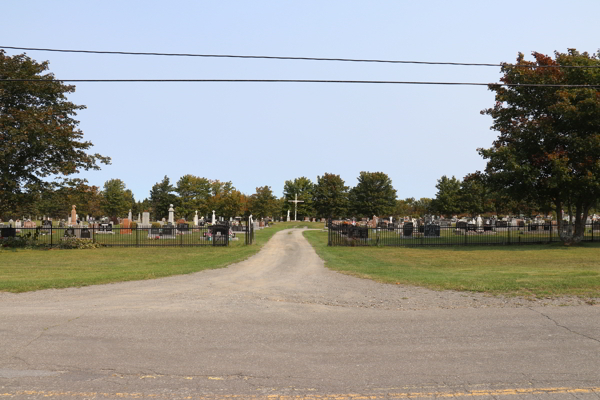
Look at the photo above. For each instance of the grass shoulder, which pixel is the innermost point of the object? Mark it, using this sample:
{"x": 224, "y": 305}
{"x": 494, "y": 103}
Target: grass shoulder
{"x": 527, "y": 270}
{"x": 23, "y": 270}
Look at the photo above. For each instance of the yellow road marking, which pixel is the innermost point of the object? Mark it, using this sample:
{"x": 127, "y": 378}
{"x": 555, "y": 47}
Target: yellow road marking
{"x": 350, "y": 396}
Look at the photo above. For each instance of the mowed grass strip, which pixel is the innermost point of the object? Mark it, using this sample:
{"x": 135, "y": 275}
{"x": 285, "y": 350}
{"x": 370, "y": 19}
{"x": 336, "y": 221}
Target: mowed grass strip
{"x": 27, "y": 270}
{"x": 527, "y": 270}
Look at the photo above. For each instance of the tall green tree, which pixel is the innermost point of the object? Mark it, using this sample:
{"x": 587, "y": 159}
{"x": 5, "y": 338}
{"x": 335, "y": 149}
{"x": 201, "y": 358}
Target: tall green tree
{"x": 373, "y": 195}
{"x": 117, "y": 199}
{"x": 548, "y": 148}
{"x": 474, "y": 194}
{"x": 194, "y": 195}
{"x": 263, "y": 203}
{"x": 447, "y": 199}
{"x": 161, "y": 197}
{"x": 330, "y": 196}
{"x": 303, "y": 187}
{"x": 38, "y": 130}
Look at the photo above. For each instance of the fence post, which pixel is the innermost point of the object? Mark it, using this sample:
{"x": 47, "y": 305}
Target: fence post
{"x": 51, "y": 234}
{"x": 137, "y": 237}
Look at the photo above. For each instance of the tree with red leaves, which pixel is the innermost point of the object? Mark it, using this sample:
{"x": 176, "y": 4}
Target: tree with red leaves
{"x": 548, "y": 149}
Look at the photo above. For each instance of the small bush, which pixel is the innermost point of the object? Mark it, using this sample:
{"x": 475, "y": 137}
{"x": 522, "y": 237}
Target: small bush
{"x": 26, "y": 241}
{"x": 156, "y": 225}
{"x": 133, "y": 225}
{"x": 75, "y": 243}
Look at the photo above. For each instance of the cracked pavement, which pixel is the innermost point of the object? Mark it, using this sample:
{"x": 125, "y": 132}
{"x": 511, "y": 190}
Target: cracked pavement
{"x": 281, "y": 324}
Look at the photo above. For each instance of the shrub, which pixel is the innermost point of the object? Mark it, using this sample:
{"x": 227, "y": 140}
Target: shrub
{"x": 133, "y": 225}
{"x": 156, "y": 225}
{"x": 75, "y": 243}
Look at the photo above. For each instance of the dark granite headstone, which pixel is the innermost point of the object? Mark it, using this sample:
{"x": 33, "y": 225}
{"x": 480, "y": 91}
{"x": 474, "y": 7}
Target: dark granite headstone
{"x": 8, "y": 232}
{"x": 155, "y": 231}
{"x": 183, "y": 227}
{"x": 408, "y": 228}
{"x": 85, "y": 233}
{"x": 167, "y": 230}
{"x": 501, "y": 224}
{"x": 432, "y": 230}
{"x": 461, "y": 225}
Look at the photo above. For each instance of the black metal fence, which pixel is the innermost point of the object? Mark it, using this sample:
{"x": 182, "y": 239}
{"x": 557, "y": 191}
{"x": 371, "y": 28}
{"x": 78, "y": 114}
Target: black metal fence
{"x": 412, "y": 235}
{"x": 105, "y": 234}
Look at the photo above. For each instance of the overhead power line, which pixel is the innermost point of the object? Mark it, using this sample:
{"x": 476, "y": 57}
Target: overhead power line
{"x": 295, "y": 81}
{"x": 131, "y": 53}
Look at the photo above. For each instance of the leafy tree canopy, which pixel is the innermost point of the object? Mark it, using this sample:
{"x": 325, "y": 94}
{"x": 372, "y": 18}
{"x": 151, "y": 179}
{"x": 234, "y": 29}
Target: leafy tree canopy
{"x": 447, "y": 199}
{"x": 330, "y": 196}
{"x": 373, "y": 195}
{"x": 263, "y": 203}
{"x": 161, "y": 197}
{"x": 38, "y": 131}
{"x": 194, "y": 195}
{"x": 548, "y": 148}
{"x": 303, "y": 187}
{"x": 117, "y": 200}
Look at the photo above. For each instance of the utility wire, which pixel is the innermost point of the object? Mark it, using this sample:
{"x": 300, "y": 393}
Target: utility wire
{"x": 295, "y": 58}
{"x": 298, "y": 81}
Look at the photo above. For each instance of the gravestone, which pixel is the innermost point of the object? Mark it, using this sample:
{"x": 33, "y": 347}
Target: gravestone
{"x": 85, "y": 233}
{"x": 407, "y": 229}
{"x": 183, "y": 227}
{"x": 461, "y": 225}
{"x": 46, "y": 226}
{"x": 432, "y": 230}
{"x": 6, "y": 232}
{"x": 69, "y": 232}
{"x": 125, "y": 227}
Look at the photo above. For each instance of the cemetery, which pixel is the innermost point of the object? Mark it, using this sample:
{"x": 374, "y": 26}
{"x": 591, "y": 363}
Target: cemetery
{"x": 436, "y": 231}
{"x": 125, "y": 232}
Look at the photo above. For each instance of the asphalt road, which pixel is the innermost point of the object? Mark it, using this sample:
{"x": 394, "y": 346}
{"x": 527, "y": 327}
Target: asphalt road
{"x": 281, "y": 325}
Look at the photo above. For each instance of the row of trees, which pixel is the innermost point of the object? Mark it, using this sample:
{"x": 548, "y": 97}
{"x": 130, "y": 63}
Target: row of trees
{"x": 329, "y": 197}
{"x": 546, "y": 157}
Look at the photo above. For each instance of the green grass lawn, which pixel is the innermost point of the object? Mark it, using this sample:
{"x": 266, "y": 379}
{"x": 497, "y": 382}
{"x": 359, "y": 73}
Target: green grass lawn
{"x": 528, "y": 270}
{"x": 26, "y": 270}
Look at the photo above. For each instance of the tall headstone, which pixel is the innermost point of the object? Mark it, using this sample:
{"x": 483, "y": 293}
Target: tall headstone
{"x": 146, "y": 219}
{"x": 171, "y": 214}
{"x": 129, "y": 215}
{"x": 196, "y": 219}
{"x": 139, "y": 219}
{"x": 288, "y": 216}
{"x": 213, "y": 218}
{"x": 73, "y": 215}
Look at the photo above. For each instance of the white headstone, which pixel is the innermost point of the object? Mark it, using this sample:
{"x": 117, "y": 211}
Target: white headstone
{"x": 479, "y": 221}
{"x": 139, "y": 219}
{"x": 146, "y": 219}
{"x": 171, "y": 214}
{"x": 288, "y": 216}
{"x": 129, "y": 215}
{"x": 69, "y": 220}
{"x": 196, "y": 219}
{"x": 213, "y": 218}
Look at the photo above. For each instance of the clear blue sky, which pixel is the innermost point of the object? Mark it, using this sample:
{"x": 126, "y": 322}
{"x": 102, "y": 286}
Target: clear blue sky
{"x": 263, "y": 134}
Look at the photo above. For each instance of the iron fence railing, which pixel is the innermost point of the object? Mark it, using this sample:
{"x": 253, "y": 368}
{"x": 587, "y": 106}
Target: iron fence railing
{"x": 409, "y": 234}
{"x": 105, "y": 234}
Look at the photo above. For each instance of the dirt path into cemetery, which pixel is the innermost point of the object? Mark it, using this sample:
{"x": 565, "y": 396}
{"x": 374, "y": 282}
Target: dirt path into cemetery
{"x": 280, "y": 323}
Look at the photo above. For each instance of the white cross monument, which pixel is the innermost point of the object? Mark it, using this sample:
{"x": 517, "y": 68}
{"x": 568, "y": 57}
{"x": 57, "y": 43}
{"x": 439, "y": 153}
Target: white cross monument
{"x": 295, "y": 205}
